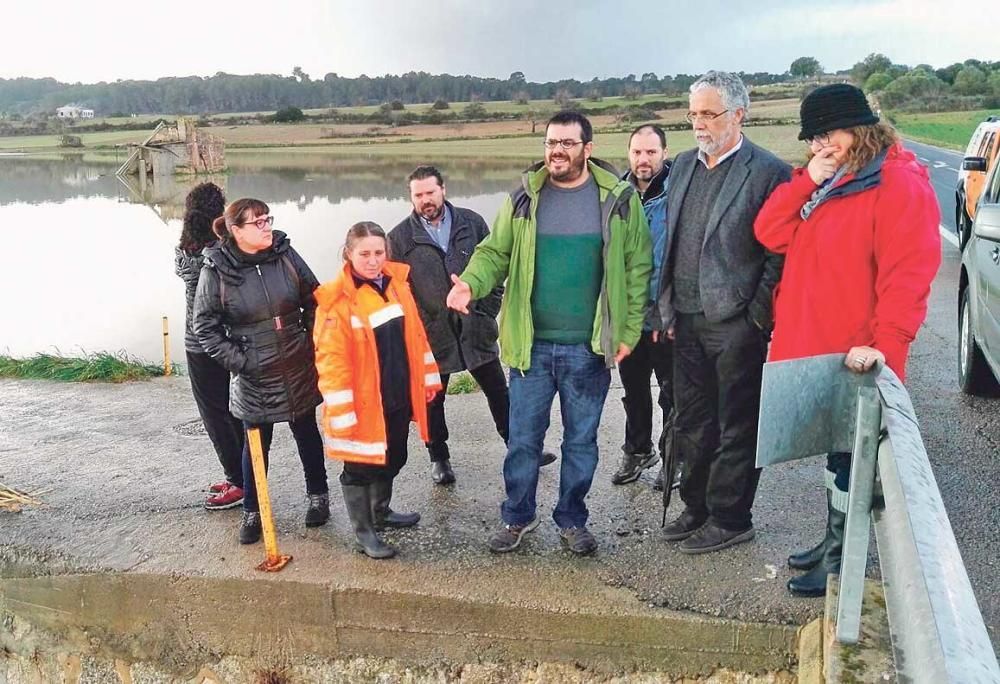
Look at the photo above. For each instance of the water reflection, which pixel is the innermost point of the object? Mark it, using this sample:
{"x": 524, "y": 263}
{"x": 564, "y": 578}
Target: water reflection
{"x": 94, "y": 266}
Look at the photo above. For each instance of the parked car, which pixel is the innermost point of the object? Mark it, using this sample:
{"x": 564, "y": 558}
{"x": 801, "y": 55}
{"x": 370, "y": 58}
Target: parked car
{"x": 981, "y": 155}
{"x": 979, "y": 296}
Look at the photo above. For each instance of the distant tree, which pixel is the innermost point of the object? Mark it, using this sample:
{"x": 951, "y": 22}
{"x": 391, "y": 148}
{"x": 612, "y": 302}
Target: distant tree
{"x": 970, "y": 81}
{"x": 288, "y": 115}
{"x": 563, "y": 98}
{"x": 994, "y": 83}
{"x": 594, "y": 95}
{"x": 397, "y": 106}
{"x": 631, "y": 92}
{"x": 948, "y": 73}
{"x": 70, "y": 141}
{"x": 650, "y": 82}
{"x": 877, "y": 82}
{"x": 474, "y": 110}
{"x": 869, "y": 65}
{"x": 516, "y": 78}
{"x": 440, "y": 103}
{"x": 299, "y": 74}
{"x": 521, "y": 97}
{"x": 805, "y": 67}
{"x": 913, "y": 85}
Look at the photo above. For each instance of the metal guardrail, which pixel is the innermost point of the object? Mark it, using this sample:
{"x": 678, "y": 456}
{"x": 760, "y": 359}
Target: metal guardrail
{"x": 816, "y": 405}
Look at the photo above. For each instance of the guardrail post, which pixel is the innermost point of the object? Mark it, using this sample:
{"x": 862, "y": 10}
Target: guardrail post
{"x": 858, "y": 529}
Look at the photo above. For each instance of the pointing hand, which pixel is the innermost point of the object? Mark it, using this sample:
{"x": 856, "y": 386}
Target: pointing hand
{"x": 460, "y": 295}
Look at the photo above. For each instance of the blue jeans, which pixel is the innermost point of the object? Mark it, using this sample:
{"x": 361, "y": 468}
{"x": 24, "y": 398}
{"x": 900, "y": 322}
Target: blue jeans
{"x": 582, "y": 381}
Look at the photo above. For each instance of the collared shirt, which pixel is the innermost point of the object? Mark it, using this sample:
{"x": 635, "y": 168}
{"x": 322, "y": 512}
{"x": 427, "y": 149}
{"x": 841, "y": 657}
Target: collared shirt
{"x": 441, "y": 233}
{"x": 703, "y": 158}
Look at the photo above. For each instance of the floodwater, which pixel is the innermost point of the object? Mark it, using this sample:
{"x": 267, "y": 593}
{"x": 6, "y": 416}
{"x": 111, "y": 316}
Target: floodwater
{"x": 89, "y": 263}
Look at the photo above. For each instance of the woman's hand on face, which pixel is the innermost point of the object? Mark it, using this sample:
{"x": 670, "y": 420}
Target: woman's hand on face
{"x": 822, "y": 166}
{"x": 862, "y": 359}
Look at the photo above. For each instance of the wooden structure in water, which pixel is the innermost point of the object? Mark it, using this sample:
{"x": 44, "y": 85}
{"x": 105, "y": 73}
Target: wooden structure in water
{"x": 176, "y": 149}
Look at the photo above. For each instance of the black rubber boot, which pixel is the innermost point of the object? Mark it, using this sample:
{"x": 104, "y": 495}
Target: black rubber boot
{"x": 807, "y": 560}
{"x": 359, "y": 510}
{"x": 380, "y": 492}
{"x": 813, "y": 583}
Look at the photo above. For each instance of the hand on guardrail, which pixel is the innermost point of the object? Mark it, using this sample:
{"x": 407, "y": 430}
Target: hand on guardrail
{"x": 863, "y": 359}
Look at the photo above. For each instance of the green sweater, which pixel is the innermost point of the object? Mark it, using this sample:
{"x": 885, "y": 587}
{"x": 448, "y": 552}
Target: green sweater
{"x": 509, "y": 253}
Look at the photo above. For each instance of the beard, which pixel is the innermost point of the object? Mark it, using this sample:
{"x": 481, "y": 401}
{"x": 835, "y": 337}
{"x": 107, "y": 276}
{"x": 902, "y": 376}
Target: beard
{"x": 574, "y": 168}
{"x": 716, "y": 145}
{"x": 431, "y": 211}
{"x": 644, "y": 173}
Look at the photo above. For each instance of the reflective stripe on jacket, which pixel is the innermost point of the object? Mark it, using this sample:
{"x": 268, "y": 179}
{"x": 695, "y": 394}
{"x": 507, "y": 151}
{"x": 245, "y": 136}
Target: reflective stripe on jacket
{"x": 347, "y": 360}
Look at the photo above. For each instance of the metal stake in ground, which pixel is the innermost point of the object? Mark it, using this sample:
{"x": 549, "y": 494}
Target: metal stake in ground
{"x": 274, "y": 560}
{"x": 166, "y": 347}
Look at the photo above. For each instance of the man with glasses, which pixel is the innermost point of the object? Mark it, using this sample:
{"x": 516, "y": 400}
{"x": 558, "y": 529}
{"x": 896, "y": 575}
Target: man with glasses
{"x": 436, "y": 240}
{"x": 574, "y": 248}
{"x": 715, "y": 303}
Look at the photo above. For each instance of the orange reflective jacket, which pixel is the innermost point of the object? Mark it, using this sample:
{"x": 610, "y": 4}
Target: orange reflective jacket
{"x": 347, "y": 360}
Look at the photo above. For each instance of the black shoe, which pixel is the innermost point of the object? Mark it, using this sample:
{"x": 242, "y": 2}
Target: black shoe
{"x": 711, "y": 537}
{"x": 547, "y": 458}
{"x": 658, "y": 482}
{"x": 319, "y": 510}
{"x": 442, "y": 473}
{"x": 813, "y": 583}
{"x": 380, "y": 493}
{"x": 686, "y": 524}
{"x": 357, "y": 500}
{"x": 632, "y": 466}
{"x": 250, "y": 527}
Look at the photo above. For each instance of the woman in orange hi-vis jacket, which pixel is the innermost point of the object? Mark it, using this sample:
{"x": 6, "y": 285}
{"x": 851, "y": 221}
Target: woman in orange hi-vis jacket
{"x": 376, "y": 373}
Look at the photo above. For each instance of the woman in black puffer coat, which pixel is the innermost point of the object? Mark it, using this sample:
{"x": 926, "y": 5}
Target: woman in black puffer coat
{"x": 253, "y": 313}
{"x": 209, "y": 380}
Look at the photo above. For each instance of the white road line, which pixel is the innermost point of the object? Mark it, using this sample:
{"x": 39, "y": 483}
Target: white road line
{"x": 948, "y": 235}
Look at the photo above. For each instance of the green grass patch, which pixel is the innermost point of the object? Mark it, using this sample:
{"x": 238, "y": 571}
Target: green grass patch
{"x": 462, "y": 383}
{"x": 38, "y": 143}
{"x": 946, "y": 129}
{"x": 96, "y": 367}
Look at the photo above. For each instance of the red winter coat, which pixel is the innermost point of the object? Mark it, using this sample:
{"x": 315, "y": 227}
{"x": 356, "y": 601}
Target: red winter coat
{"x": 858, "y": 271}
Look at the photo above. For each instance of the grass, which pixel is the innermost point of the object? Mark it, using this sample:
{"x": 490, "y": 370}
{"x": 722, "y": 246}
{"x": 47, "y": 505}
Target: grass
{"x": 945, "y": 129}
{"x": 39, "y": 143}
{"x": 96, "y": 367}
{"x": 12, "y": 500}
{"x": 462, "y": 383}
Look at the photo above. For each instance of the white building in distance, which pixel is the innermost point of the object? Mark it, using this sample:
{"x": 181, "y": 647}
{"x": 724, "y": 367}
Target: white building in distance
{"x": 74, "y": 112}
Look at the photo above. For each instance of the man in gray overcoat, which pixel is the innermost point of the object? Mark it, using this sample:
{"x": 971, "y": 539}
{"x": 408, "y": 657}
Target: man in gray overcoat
{"x": 436, "y": 240}
{"x": 716, "y": 304}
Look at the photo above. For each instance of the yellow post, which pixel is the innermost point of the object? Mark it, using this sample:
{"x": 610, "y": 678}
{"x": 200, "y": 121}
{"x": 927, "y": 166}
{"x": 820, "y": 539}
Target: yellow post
{"x": 166, "y": 347}
{"x": 274, "y": 560}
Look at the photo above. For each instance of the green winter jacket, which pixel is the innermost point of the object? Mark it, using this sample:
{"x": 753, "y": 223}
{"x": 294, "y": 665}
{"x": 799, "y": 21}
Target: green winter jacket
{"x": 509, "y": 252}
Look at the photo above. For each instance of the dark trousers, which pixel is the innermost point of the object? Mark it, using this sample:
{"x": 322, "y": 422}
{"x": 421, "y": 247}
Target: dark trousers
{"x": 210, "y": 386}
{"x": 647, "y": 359}
{"x": 397, "y": 430}
{"x": 310, "y": 447}
{"x": 494, "y": 385}
{"x": 717, "y": 374}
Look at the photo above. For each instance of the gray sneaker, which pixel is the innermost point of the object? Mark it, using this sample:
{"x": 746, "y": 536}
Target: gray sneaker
{"x": 508, "y": 537}
{"x": 632, "y": 465}
{"x": 579, "y": 540}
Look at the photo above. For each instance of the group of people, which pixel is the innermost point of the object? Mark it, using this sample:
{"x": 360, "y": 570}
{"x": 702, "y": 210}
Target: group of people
{"x": 691, "y": 271}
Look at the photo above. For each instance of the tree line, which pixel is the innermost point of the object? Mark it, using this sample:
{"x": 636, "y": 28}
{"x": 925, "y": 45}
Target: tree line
{"x": 268, "y": 92}
{"x": 971, "y": 84}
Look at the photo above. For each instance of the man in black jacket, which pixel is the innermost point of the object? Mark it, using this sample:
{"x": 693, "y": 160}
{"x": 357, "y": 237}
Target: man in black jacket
{"x": 436, "y": 240}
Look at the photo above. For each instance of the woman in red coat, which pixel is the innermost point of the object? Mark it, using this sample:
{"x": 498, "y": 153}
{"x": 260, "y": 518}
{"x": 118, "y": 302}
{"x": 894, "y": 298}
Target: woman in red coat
{"x": 859, "y": 230}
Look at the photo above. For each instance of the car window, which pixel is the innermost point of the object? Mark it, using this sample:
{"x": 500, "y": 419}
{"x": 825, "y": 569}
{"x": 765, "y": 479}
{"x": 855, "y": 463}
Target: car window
{"x": 992, "y": 195}
{"x": 984, "y": 145}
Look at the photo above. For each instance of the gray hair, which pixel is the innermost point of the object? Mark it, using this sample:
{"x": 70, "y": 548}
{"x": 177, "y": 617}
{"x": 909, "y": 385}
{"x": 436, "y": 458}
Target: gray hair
{"x": 731, "y": 89}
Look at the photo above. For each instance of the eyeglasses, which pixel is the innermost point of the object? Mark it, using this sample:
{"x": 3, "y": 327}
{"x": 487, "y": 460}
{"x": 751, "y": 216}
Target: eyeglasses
{"x": 822, "y": 139}
{"x": 703, "y": 116}
{"x": 262, "y": 222}
{"x": 566, "y": 144}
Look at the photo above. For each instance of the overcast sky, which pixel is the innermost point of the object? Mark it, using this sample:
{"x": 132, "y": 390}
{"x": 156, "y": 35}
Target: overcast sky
{"x": 125, "y": 39}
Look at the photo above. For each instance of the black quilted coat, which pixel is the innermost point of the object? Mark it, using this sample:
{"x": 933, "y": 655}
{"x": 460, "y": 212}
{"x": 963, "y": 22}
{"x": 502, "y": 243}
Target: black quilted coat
{"x": 254, "y": 315}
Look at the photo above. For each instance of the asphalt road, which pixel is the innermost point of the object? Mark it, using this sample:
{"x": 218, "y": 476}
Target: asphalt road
{"x": 943, "y": 166}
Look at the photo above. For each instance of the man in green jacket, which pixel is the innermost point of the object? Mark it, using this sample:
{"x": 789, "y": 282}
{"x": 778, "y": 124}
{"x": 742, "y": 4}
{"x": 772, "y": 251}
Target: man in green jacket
{"x": 574, "y": 248}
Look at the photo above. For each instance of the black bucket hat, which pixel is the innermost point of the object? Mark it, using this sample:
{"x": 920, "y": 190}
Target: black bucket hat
{"x": 830, "y": 107}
